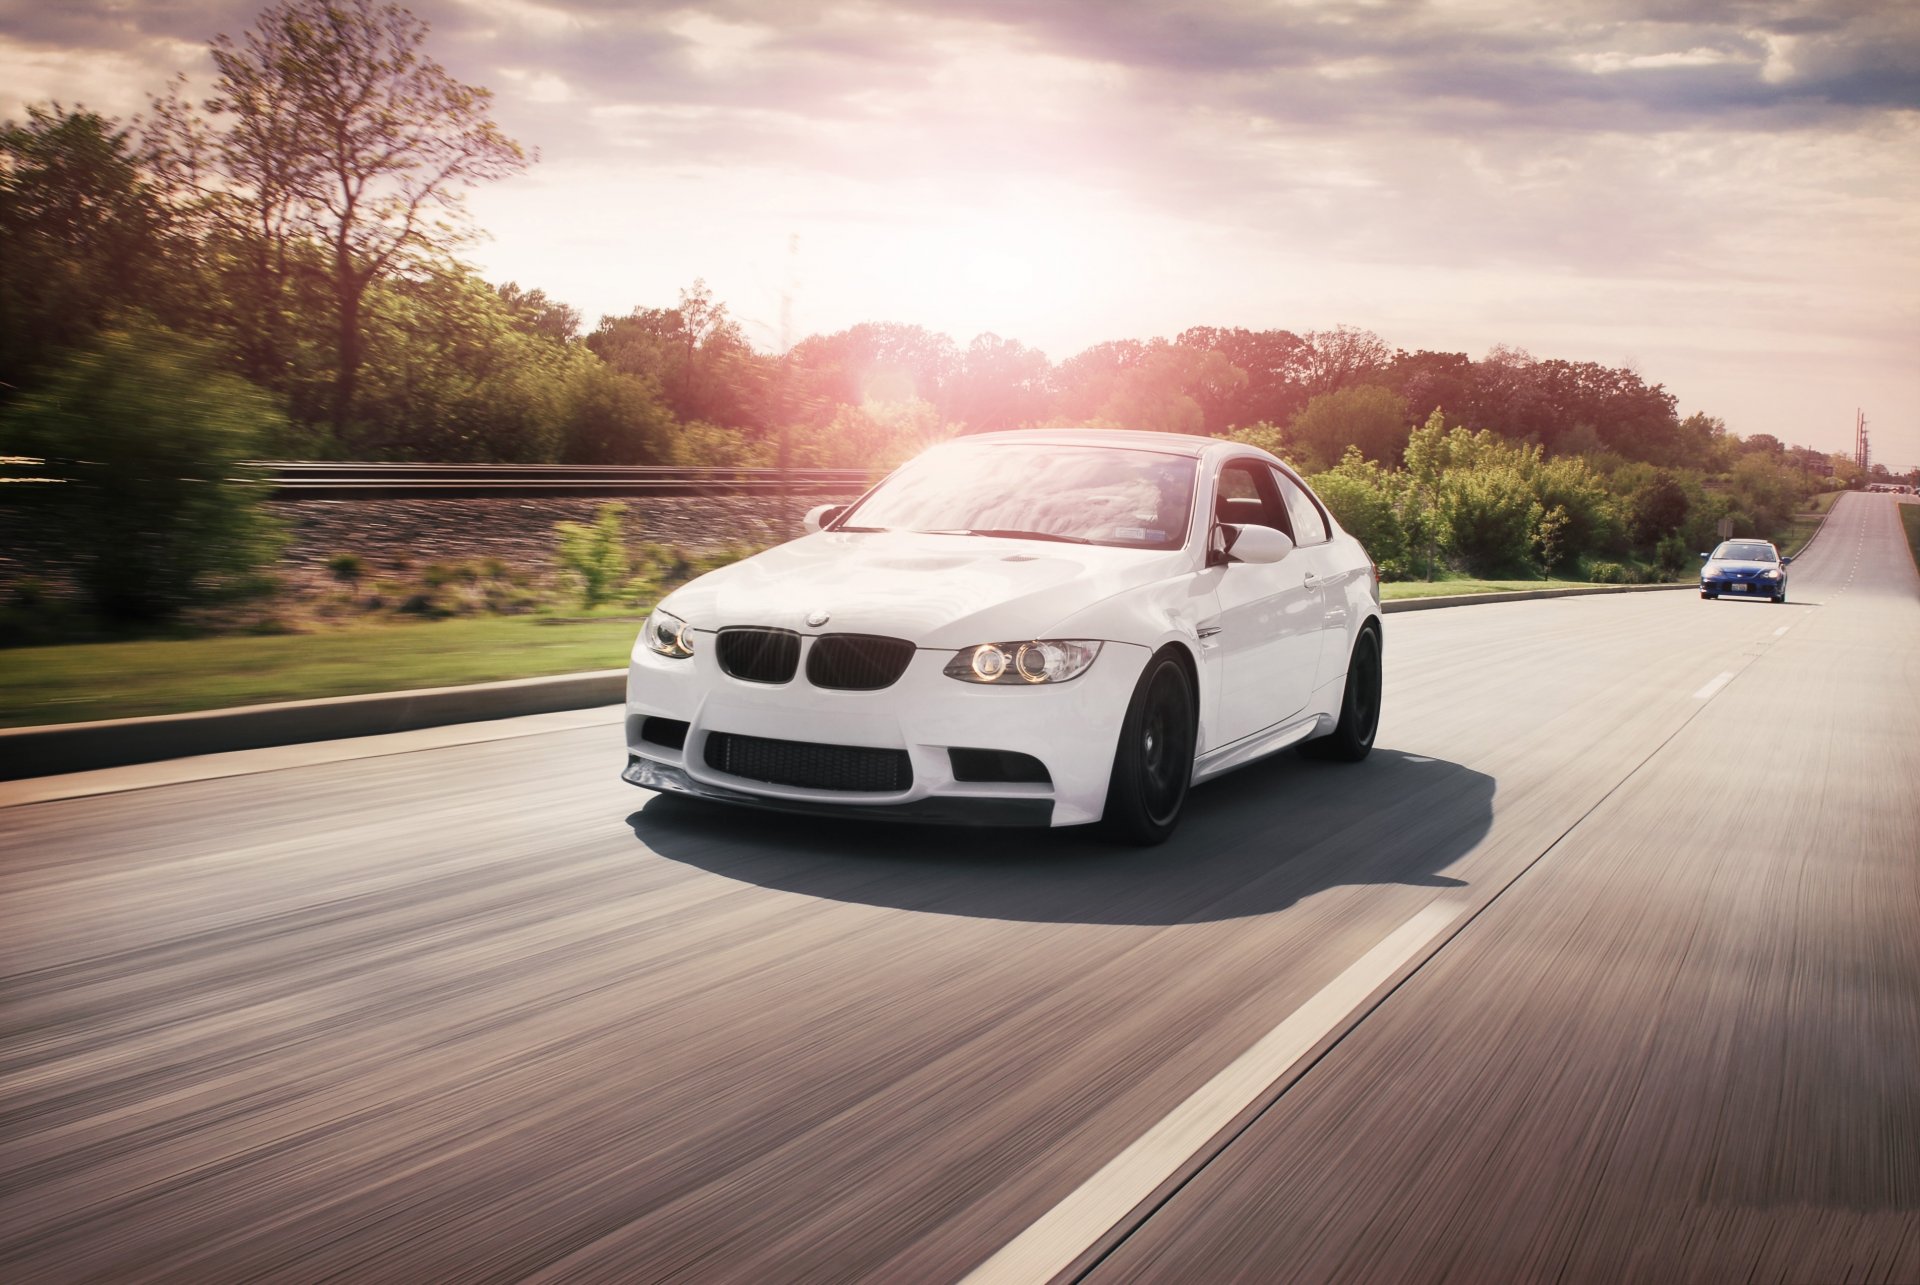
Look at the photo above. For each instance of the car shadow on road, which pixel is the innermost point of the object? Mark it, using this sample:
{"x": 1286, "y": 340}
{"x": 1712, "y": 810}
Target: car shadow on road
{"x": 1251, "y": 843}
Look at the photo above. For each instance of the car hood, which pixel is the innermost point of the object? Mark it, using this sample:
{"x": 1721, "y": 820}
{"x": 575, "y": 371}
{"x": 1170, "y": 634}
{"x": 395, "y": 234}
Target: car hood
{"x": 939, "y": 591}
{"x": 1740, "y": 568}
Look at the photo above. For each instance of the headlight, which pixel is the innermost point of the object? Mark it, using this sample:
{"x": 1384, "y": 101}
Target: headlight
{"x": 667, "y": 635}
{"x": 1018, "y": 664}
{"x": 1771, "y": 573}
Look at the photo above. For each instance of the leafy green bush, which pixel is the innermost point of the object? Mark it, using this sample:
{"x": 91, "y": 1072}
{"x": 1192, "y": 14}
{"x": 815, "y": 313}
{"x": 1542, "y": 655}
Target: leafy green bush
{"x": 1670, "y": 556}
{"x": 594, "y": 555}
{"x": 347, "y": 568}
{"x": 1361, "y": 495}
{"x": 149, "y": 435}
{"x": 1608, "y": 573}
{"x": 1488, "y": 516}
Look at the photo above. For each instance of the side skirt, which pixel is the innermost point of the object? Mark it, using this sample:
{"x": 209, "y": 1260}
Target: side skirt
{"x": 1257, "y": 746}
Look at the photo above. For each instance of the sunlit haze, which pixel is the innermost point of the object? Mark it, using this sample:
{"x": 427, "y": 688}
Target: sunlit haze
{"x": 1724, "y": 196}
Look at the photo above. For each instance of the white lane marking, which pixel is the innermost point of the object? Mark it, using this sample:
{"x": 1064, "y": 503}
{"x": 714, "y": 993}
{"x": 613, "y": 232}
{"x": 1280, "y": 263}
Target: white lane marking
{"x": 1781, "y": 630}
{"x": 1064, "y": 1232}
{"x": 1706, "y": 693}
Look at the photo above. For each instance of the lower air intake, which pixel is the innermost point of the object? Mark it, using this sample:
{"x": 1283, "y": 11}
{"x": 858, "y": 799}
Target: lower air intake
{"x": 854, "y": 769}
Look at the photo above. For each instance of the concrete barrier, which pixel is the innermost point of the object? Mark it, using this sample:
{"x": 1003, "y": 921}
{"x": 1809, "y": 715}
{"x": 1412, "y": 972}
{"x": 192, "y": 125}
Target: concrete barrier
{"x": 1524, "y": 595}
{"x": 83, "y": 747}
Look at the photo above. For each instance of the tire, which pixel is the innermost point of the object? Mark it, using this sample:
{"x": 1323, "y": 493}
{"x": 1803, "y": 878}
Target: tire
{"x": 1352, "y": 737}
{"x": 1704, "y": 594}
{"x": 1153, "y": 763}
{"x": 1781, "y": 597}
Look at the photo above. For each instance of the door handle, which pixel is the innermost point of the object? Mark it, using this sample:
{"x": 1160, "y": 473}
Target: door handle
{"x": 1312, "y": 581}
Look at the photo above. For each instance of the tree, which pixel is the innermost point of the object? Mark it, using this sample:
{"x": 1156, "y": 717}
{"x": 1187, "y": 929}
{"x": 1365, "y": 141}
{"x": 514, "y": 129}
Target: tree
{"x": 81, "y": 231}
{"x": 1488, "y": 518}
{"x": 536, "y": 314}
{"x": 148, "y": 435}
{"x": 1767, "y": 490}
{"x": 1002, "y": 384}
{"x": 1332, "y": 359}
{"x": 872, "y": 362}
{"x": 1165, "y": 391}
{"x": 1432, "y": 381}
{"x": 1361, "y": 495}
{"x": 342, "y": 130}
{"x": 1659, "y": 507}
{"x": 1367, "y": 416}
{"x": 1272, "y": 362}
{"x": 1084, "y": 382}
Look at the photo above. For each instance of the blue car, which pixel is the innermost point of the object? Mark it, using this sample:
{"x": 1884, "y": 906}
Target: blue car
{"x": 1745, "y": 569}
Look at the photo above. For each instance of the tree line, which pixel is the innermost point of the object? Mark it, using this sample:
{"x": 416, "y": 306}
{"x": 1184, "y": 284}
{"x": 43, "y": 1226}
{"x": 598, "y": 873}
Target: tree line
{"x": 290, "y": 245}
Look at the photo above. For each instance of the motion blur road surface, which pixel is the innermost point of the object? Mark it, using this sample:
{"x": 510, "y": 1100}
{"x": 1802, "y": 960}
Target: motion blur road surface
{"x": 1642, "y": 873}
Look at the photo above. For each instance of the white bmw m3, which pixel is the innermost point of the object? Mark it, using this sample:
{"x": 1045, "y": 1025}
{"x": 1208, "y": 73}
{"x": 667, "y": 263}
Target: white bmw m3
{"x": 1042, "y": 628}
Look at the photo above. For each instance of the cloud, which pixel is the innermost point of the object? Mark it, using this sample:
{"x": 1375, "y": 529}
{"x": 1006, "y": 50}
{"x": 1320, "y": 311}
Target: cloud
{"x": 1658, "y": 164}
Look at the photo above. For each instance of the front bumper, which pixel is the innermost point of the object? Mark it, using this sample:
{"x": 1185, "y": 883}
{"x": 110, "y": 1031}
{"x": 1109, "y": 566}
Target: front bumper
{"x": 984, "y": 810}
{"x": 1742, "y": 588}
{"x": 1071, "y": 729}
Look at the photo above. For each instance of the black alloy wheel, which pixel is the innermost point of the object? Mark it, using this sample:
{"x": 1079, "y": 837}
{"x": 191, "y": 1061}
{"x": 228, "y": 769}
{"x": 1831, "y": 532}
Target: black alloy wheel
{"x": 1153, "y": 763}
{"x": 1352, "y": 737}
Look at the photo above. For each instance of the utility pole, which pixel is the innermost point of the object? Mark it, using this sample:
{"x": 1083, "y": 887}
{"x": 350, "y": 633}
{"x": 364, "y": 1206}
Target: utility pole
{"x": 1862, "y": 449}
{"x": 785, "y": 410}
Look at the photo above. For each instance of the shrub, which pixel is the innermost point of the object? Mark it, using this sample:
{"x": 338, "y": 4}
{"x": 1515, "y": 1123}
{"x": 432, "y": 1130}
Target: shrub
{"x": 594, "y": 555}
{"x": 1670, "y": 556}
{"x": 1487, "y": 517}
{"x": 149, "y": 435}
{"x": 1361, "y": 496}
{"x": 347, "y": 568}
{"x": 1608, "y": 573}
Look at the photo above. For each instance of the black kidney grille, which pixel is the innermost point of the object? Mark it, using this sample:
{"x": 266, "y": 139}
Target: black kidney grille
{"x": 857, "y": 662}
{"x": 759, "y": 655}
{"x": 852, "y": 768}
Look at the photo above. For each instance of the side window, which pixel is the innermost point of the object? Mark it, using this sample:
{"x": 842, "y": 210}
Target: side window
{"x": 1309, "y": 526}
{"x": 1246, "y": 496}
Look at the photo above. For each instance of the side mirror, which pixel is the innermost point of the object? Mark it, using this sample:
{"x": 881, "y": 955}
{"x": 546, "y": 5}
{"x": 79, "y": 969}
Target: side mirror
{"x": 821, "y": 516}
{"x": 1785, "y": 561}
{"x": 1256, "y": 543}
{"x": 1703, "y": 555}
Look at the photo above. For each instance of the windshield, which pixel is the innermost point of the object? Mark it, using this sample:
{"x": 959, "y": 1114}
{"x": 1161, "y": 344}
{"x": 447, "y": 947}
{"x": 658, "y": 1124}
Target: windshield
{"x": 1077, "y": 494}
{"x": 1745, "y": 551}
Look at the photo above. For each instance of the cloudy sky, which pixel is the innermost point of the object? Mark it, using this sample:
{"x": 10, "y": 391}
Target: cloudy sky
{"x": 1724, "y": 194}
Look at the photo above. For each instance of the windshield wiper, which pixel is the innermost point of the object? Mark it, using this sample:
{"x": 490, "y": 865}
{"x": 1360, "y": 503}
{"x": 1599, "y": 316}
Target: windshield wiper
{"x": 862, "y": 528}
{"x": 1008, "y": 533}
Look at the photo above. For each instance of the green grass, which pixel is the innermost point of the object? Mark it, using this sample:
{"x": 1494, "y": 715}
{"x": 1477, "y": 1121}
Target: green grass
{"x": 1793, "y": 537}
{"x": 1910, "y": 518}
{"x": 126, "y": 679}
{"x": 82, "y": 681}
{"x": 1823, "y": 502}
{"x": 1393, "y": 589}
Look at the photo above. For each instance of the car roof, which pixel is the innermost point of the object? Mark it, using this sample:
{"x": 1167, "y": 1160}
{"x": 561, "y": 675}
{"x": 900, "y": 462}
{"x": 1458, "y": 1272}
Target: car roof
{"x": 1135, "y": 439}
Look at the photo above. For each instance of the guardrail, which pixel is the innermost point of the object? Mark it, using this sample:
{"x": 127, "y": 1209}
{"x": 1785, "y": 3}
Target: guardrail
{"x": 373, "y": 480}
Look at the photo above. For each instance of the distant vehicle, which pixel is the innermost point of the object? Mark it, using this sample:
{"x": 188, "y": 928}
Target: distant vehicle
{"x": 1040, "y": 628}
{"x": 1745, "y": 569}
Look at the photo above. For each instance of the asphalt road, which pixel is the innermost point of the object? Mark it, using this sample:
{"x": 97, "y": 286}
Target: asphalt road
{"x": 1606, "y": 965}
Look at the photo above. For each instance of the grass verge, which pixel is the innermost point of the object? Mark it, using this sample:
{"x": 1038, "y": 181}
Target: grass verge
{"x": 1394, "y": 589}
{"x": 70, "y": 684}
{"x": 1910, "y": 519}
{"x": 83, "y": 681}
